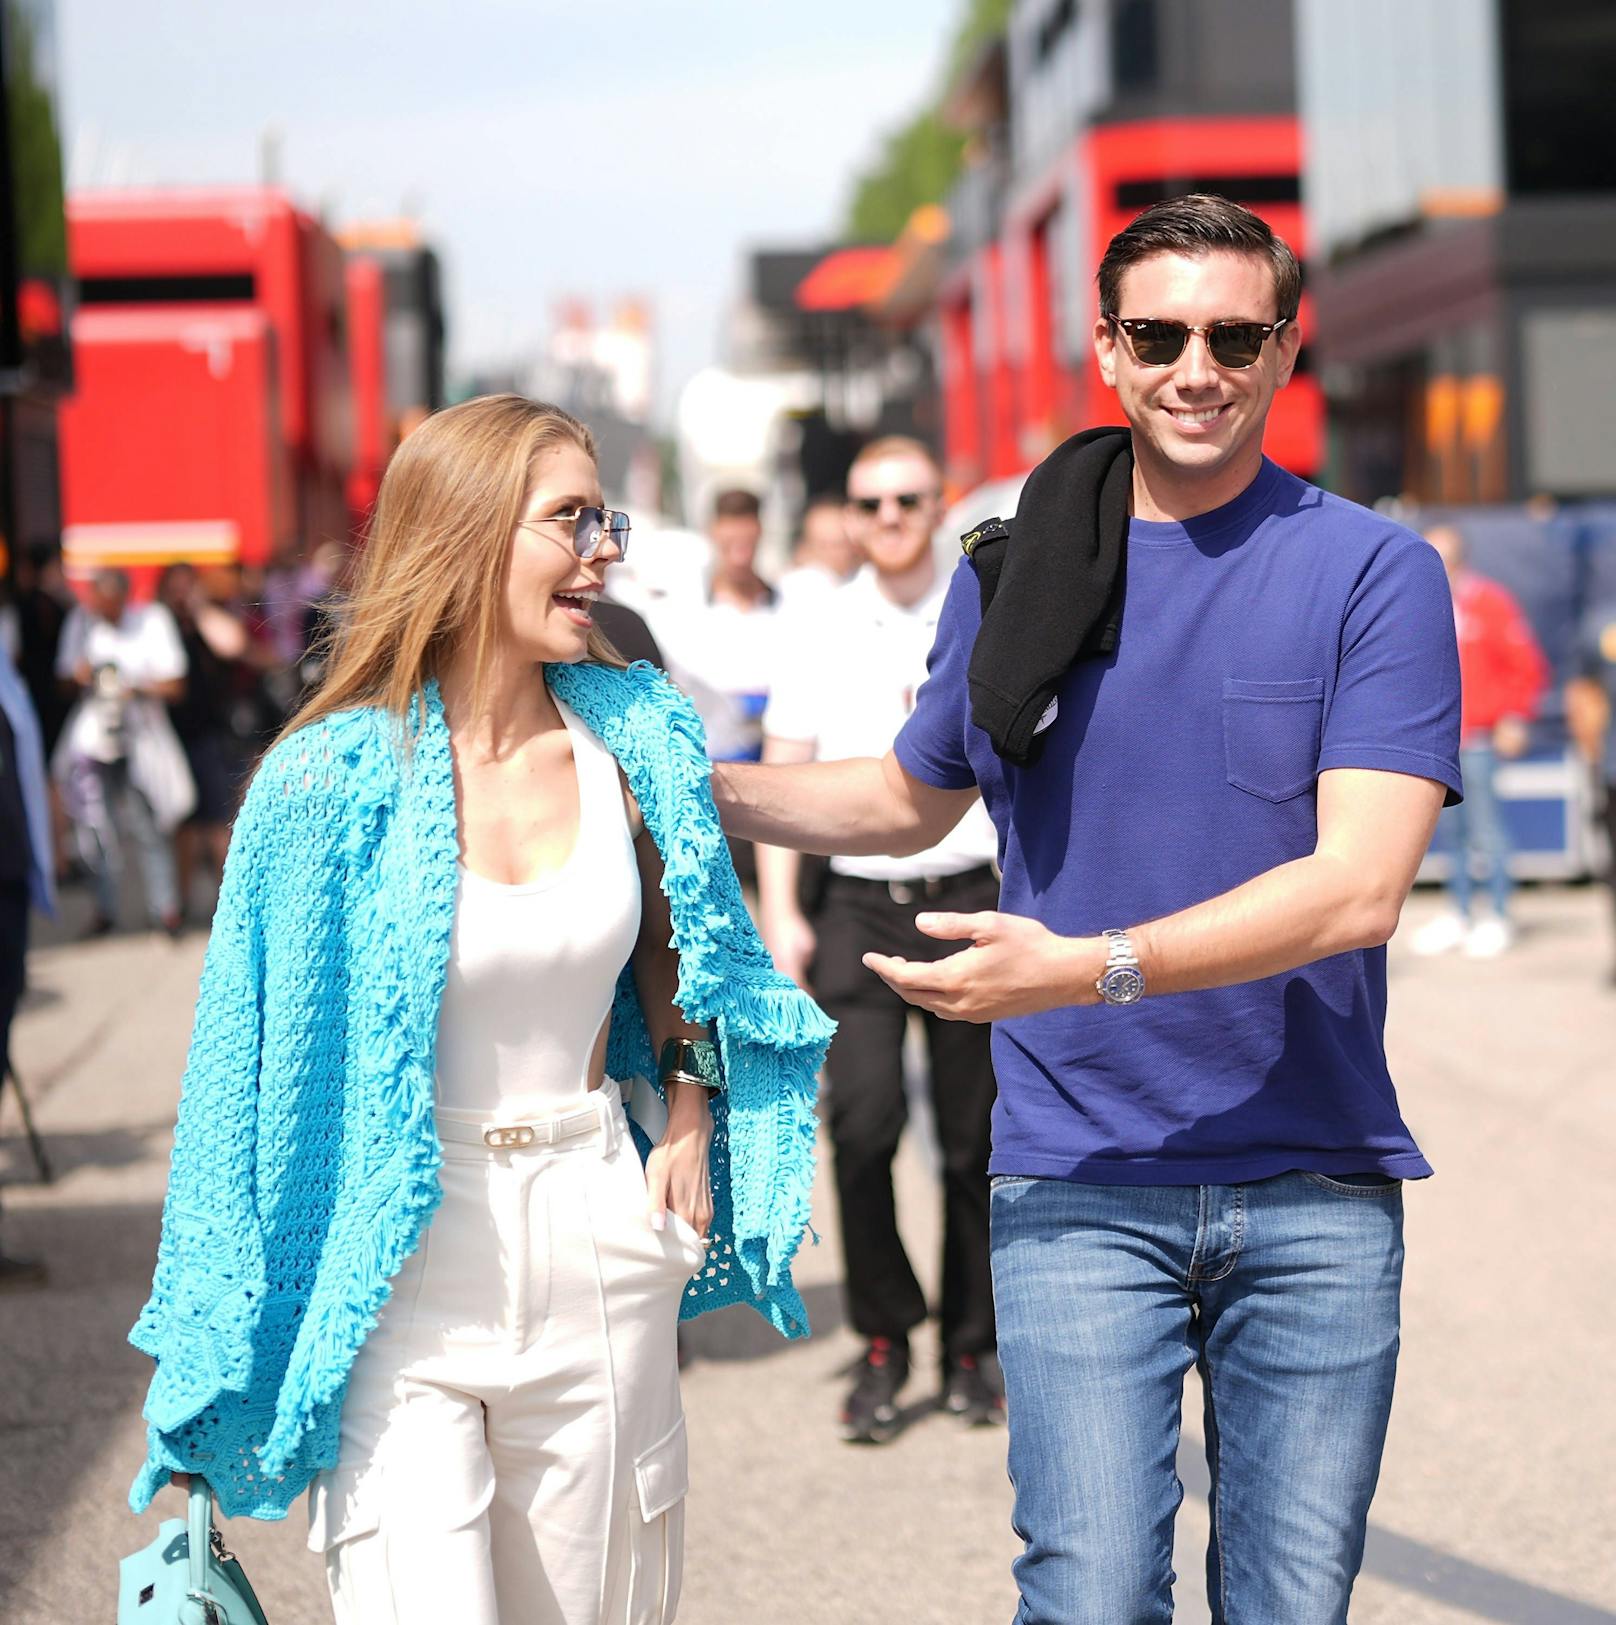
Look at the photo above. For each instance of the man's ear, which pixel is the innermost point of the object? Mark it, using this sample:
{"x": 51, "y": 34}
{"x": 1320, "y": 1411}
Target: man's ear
{"x": 1290, "y": 347}
{"x": 1105, "y": 350}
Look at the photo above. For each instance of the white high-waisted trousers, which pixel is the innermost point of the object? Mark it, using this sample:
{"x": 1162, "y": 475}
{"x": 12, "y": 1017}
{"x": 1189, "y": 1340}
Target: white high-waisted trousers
{"x": 513, "y": 1444}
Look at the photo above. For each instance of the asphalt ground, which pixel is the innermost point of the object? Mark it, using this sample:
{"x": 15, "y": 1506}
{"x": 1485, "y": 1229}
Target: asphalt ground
{"x": 1497, "y": 1499}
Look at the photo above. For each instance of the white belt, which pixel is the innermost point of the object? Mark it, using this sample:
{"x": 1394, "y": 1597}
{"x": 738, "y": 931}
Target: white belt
{"x": 506, "y": 1135}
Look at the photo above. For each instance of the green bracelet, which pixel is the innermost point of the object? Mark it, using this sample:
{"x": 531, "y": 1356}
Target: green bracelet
{"x": 690, "y": 1060}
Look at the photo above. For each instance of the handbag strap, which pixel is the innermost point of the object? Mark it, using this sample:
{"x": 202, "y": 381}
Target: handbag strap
{"x": 198, "y": 1539}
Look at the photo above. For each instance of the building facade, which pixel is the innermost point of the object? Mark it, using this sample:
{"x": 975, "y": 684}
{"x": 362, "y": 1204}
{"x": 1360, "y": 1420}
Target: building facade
{"x": 1461, "y": 192}
{"x": 1083, "y": 114}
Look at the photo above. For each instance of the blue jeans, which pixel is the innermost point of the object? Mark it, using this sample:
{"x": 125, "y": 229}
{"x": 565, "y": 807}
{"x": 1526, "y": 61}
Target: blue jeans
{"x": 1284, "y": 1293}
{"x": 1475, "y": 829}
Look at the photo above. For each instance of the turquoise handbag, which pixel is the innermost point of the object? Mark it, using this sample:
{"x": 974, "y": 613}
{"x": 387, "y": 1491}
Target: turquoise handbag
{"x": 186, "y": 1577}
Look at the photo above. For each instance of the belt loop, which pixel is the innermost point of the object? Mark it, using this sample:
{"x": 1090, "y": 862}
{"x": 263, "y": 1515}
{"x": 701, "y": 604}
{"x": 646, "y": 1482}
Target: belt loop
{"x": 609, "y": 1109}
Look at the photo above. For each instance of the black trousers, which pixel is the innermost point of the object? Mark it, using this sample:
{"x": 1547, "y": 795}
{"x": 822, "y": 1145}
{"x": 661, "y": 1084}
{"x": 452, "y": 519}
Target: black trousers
{"x": 868, "y": 1110}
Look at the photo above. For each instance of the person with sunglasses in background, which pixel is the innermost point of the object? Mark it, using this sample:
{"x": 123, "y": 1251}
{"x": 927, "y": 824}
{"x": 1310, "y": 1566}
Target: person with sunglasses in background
{"x": 417, "y": 1256}
{"x": 845, "y": 685}
{"x": 1214, "y": 713}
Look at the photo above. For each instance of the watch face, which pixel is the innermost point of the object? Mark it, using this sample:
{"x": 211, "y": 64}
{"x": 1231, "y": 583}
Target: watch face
{"x": 1123, "y": 985}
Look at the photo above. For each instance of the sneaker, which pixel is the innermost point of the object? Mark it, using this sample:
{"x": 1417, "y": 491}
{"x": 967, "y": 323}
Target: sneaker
{"x": 870, "y": 1415}
{"x": 1489, "y": 939}
{"x": 973, "y": 1392}
{"x": 1441, "y": 935}
{"x": 18, "y": 1274}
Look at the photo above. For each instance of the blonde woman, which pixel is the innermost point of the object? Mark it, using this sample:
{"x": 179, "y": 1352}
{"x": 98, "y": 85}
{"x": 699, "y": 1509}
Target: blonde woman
{"x": 411, "y": 1259}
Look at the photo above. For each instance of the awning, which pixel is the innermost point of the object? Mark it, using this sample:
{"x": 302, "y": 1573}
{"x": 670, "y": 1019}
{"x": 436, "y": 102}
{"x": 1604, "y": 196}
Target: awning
{"x": 910, "y": 290}
{"x": 847, "y": 278}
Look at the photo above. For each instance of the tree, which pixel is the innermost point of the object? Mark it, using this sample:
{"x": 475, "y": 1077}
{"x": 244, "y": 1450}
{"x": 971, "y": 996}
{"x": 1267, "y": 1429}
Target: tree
{"x": 921, "y": 161}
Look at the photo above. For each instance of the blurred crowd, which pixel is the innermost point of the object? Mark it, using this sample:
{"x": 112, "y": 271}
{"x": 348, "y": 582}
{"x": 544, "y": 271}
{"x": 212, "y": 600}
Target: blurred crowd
{"x": 153, "y": 713}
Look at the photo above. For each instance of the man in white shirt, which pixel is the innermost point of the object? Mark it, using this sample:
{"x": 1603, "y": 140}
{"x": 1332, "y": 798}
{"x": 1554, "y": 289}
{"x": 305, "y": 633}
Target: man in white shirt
{"x": 825, "y": 556}
{"x": 843, "y": 687}
{"x": 122, "y": 768}
{"x": 721, "y": 647}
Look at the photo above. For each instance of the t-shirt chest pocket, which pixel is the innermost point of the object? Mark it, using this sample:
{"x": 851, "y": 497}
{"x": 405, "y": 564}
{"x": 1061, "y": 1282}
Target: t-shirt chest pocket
{"x": 1271, "y": 734}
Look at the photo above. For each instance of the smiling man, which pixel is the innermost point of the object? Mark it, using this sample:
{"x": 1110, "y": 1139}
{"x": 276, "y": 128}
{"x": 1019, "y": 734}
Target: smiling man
{"x": 1209, "y": 817}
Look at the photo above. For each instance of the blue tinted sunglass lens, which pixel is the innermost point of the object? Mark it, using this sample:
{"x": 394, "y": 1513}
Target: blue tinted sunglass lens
{"x": 620, "y": 533}
{"x": 587, "y": 531}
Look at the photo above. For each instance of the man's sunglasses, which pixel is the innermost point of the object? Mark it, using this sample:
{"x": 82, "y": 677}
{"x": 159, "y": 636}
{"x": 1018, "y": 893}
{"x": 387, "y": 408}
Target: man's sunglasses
{"x": 590, "y": 527}
{"x": 1159, "y": 343}
{"x": 907, "y": 500}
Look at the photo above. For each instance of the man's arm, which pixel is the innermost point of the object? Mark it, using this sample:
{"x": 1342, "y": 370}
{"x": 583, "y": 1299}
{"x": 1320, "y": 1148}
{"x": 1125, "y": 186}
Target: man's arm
{"x": 1373, "y": 829}
{"x": 861, "y": 806}
{"x": 1587, "y": 716}
{"x": 787, "y": 933}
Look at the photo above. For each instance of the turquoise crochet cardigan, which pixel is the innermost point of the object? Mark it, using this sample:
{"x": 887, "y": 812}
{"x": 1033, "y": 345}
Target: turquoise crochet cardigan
{"x": 305, "y": 1159}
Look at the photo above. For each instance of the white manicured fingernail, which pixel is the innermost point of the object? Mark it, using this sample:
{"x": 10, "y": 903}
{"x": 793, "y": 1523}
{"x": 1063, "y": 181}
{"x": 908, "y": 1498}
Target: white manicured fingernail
{"x": 659, "y": 1220}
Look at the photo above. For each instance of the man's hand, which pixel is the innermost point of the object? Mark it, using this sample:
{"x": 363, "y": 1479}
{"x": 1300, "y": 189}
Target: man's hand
{"x": 1014, "y": 967}
{"x": 791, "y": 942}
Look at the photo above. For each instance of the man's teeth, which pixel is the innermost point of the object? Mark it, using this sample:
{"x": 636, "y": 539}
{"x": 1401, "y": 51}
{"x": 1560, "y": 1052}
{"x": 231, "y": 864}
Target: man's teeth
{"x": 1199, "y": 417}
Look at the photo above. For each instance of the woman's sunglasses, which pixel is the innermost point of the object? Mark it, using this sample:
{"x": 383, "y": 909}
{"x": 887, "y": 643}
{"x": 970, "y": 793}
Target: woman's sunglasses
{"x": 1159, "y": 343}
{"x": 590, "y": 527}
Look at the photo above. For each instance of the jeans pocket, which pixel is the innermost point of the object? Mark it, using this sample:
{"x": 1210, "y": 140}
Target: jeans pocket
{"x": 690, "y": 1239}
{"x": 1271, "y": 735}
{"x": 1367, "y": 1183}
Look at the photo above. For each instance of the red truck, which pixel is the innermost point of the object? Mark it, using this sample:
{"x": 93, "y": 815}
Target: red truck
{"x": 214, "y": 409}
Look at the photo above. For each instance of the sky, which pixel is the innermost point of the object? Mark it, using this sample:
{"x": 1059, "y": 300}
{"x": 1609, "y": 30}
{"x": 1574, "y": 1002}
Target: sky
{"x": 598, "y": 148}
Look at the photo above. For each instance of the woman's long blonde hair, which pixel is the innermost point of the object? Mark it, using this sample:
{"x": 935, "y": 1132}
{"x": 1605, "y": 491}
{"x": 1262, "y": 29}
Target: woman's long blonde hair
{"x": 432, "y": 574}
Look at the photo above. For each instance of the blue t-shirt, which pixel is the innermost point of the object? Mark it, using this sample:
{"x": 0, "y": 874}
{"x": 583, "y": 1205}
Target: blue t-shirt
{"x": 1262, "y": 643}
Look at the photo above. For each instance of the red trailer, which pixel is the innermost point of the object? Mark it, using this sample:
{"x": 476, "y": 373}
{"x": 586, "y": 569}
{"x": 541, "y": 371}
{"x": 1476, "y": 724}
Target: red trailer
{"x": 229, "y": 264}
{"x": 374, "y": 433}
{"x": 172, "y": 445}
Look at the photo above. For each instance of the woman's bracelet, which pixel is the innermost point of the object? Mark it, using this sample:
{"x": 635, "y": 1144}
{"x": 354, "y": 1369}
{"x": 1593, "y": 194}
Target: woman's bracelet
{"x": 690, "y": 1060}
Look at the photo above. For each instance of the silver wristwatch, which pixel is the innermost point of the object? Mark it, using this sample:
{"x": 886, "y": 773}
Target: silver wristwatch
{"x": 1122, "y": 981}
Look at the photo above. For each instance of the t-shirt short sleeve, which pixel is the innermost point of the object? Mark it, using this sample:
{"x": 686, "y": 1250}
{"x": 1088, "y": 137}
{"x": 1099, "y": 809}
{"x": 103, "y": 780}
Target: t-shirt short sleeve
{"x": 794, "y": 696}
{"x": 931, "y": 745}
{"x": 1396, "y": 701}
{"x": 162, "y": 654}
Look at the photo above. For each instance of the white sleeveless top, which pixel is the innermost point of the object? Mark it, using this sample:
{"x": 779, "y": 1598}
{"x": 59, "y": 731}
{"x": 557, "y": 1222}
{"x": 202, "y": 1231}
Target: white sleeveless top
{"x": 532, "y": 969}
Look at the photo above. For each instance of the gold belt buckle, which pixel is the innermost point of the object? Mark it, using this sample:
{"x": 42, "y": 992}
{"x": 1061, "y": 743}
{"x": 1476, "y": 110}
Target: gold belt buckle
{"x": 506, "y": 1139}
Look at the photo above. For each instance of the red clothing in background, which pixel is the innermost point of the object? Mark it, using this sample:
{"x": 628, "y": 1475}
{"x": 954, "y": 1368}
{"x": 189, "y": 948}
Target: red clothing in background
{"x": 1501, "y": 667}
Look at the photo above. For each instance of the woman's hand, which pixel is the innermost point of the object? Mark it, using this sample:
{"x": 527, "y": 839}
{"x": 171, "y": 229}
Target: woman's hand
{"x": 676, "y": 1171}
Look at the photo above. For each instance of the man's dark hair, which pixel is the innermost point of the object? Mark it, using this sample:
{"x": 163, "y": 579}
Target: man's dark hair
{"x": 737, "y": 504}
{"x": 1194, "y": 226}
